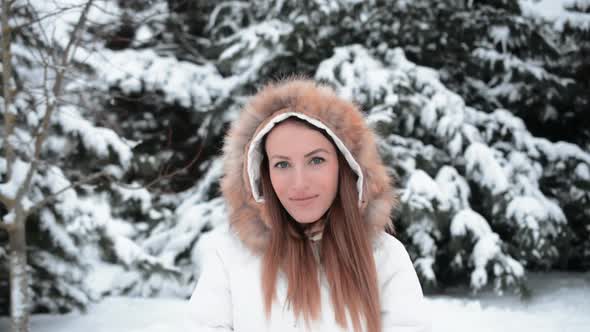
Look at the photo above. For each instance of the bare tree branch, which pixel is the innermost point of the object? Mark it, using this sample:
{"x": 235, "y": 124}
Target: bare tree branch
{"x": 38, "y": 19}
{"x": 16, "y": 227}
{"x": 75, "y": 34}
{"x": 163, "y": 176}
{"x": 9, "y": 228}
{"x": 52, "y": 103}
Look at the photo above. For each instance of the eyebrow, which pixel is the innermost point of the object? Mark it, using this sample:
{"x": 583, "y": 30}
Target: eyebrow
{"x": 306, "y": 155}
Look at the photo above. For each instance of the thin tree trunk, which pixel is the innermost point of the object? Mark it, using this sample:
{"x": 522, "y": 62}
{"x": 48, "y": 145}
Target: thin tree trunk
{"x": 19, "y": 289}
{"x": 19, "y": 294}
{"x": 19, "y": 297}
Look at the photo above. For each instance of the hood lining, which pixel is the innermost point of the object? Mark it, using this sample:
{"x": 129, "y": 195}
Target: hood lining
{"x": 255, "y": 154}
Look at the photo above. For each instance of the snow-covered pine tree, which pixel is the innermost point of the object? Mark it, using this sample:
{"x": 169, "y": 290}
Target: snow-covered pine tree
{"x": 194, "y": 99}
{"x": 30, "y": 97}
{"x": 165, "y": 94}
{"x": 519, "y": 63}
{"x": 453, "y": 160}
{"x": 82, "y": 164}
{"x": 249, "y": 45}
{"x": 496, "y": 54}
{"x": 575, "y": 38}
{"x": 170, "y": 75}
{"x": 570, "y": 20}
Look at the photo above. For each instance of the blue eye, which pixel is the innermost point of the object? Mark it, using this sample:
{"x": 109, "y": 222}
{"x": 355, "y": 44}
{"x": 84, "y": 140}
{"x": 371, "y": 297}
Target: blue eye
{"x": 317, "y": 160}
{"x": 282, "y": 164}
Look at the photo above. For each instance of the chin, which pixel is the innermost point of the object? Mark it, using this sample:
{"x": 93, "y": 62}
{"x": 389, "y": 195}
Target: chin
{"x": 307, "y": 218}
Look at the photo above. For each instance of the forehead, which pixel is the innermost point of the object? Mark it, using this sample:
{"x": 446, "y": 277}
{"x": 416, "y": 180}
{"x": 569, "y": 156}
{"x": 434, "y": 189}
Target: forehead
{"x": 296, "y": 136}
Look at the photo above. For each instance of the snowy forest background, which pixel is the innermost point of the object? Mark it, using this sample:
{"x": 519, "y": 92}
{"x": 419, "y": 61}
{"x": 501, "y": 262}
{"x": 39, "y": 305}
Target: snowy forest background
{"x": 482, "y": 108}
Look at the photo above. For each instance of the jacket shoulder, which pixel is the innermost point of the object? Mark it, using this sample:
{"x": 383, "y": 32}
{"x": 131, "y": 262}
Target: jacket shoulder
{"x": 391, "y": 254}
{"x": 224, "y": 243}
{"x": 388, "y": 244}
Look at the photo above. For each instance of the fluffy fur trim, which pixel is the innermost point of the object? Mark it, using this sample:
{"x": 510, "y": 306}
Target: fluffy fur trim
{"x": 341, "y": 117}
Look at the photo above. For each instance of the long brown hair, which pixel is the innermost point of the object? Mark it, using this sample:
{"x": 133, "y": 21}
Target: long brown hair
{"x": 346, "y": 257}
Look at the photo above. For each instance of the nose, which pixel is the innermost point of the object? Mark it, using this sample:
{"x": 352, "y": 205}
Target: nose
{"x": 300, "y": 182}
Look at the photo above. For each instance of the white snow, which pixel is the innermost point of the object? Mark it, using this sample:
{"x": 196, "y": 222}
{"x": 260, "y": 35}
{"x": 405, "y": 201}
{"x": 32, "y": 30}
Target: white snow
{"x": 67, "y": 277}
{"x": 169, "y": 241}
{"x": 182, "y": 82}
{"x": 469, "y": 221}
{"x": 251, "y": 37}
{"x": 17, "y": 178}
{"x": 248, "y": 50}
{"x": 422, "y": 233}
{"x": 500, "y": 34}
{"x": 356, "y": 74}
{"x": 561, "y": 150}
{"x": 532, "y": 211}
{"x": 134, "y": 192}
{"x": 556, "y": 11}
{"x": 58, "y": 232}
{"x": 512, "y": 62}
{"x": 425, "y": 266}
{"x": 422, "y": 191}
{"x": 483, "y": 166}
{"x": 583, "y": 172}
{"x": 487, "y": 249}
{"x": 421, "y": 237}
{"x": 454, "y": 187}
{"x": 331, "y": 7}
{"x": 144, "y": 33}
{"x": 56, "y": 181}
{"x": 560, "y": 302}
{"x": 97, "y": 139}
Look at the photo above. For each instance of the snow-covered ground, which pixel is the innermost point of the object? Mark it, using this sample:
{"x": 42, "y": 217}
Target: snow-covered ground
{"x": 561, "y": 302}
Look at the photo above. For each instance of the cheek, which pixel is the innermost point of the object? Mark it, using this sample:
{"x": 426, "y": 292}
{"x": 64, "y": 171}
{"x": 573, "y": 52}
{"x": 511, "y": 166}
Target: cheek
{"x": 329, "y": 179}
{"x": 334, "y": 178}
{"x": 279, "y": 182}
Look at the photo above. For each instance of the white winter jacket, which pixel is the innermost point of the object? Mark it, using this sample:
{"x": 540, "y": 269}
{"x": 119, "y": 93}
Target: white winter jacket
{"x": 228, "y": 295}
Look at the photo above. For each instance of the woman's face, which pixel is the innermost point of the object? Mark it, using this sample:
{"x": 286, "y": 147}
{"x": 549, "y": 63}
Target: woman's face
{"x": 303, "y": 166}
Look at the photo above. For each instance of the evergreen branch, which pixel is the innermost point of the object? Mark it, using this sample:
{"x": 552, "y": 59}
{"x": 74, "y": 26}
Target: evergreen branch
{"x": 53, "y": 196}
{"x": 165, "y": 176}
{"x": 219, "y": 8}
{"x": 196, "y": 55}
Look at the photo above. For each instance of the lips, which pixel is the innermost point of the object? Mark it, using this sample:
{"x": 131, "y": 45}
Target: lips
{"x": 303, "y": 199}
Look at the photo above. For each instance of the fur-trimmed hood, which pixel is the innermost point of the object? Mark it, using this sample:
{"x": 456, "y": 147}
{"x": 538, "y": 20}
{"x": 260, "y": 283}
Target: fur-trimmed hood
{"x": 320, "y": 106}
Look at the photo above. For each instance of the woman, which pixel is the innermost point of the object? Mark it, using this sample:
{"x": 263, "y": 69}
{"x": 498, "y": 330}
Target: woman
{"x": 309, "y": 201}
